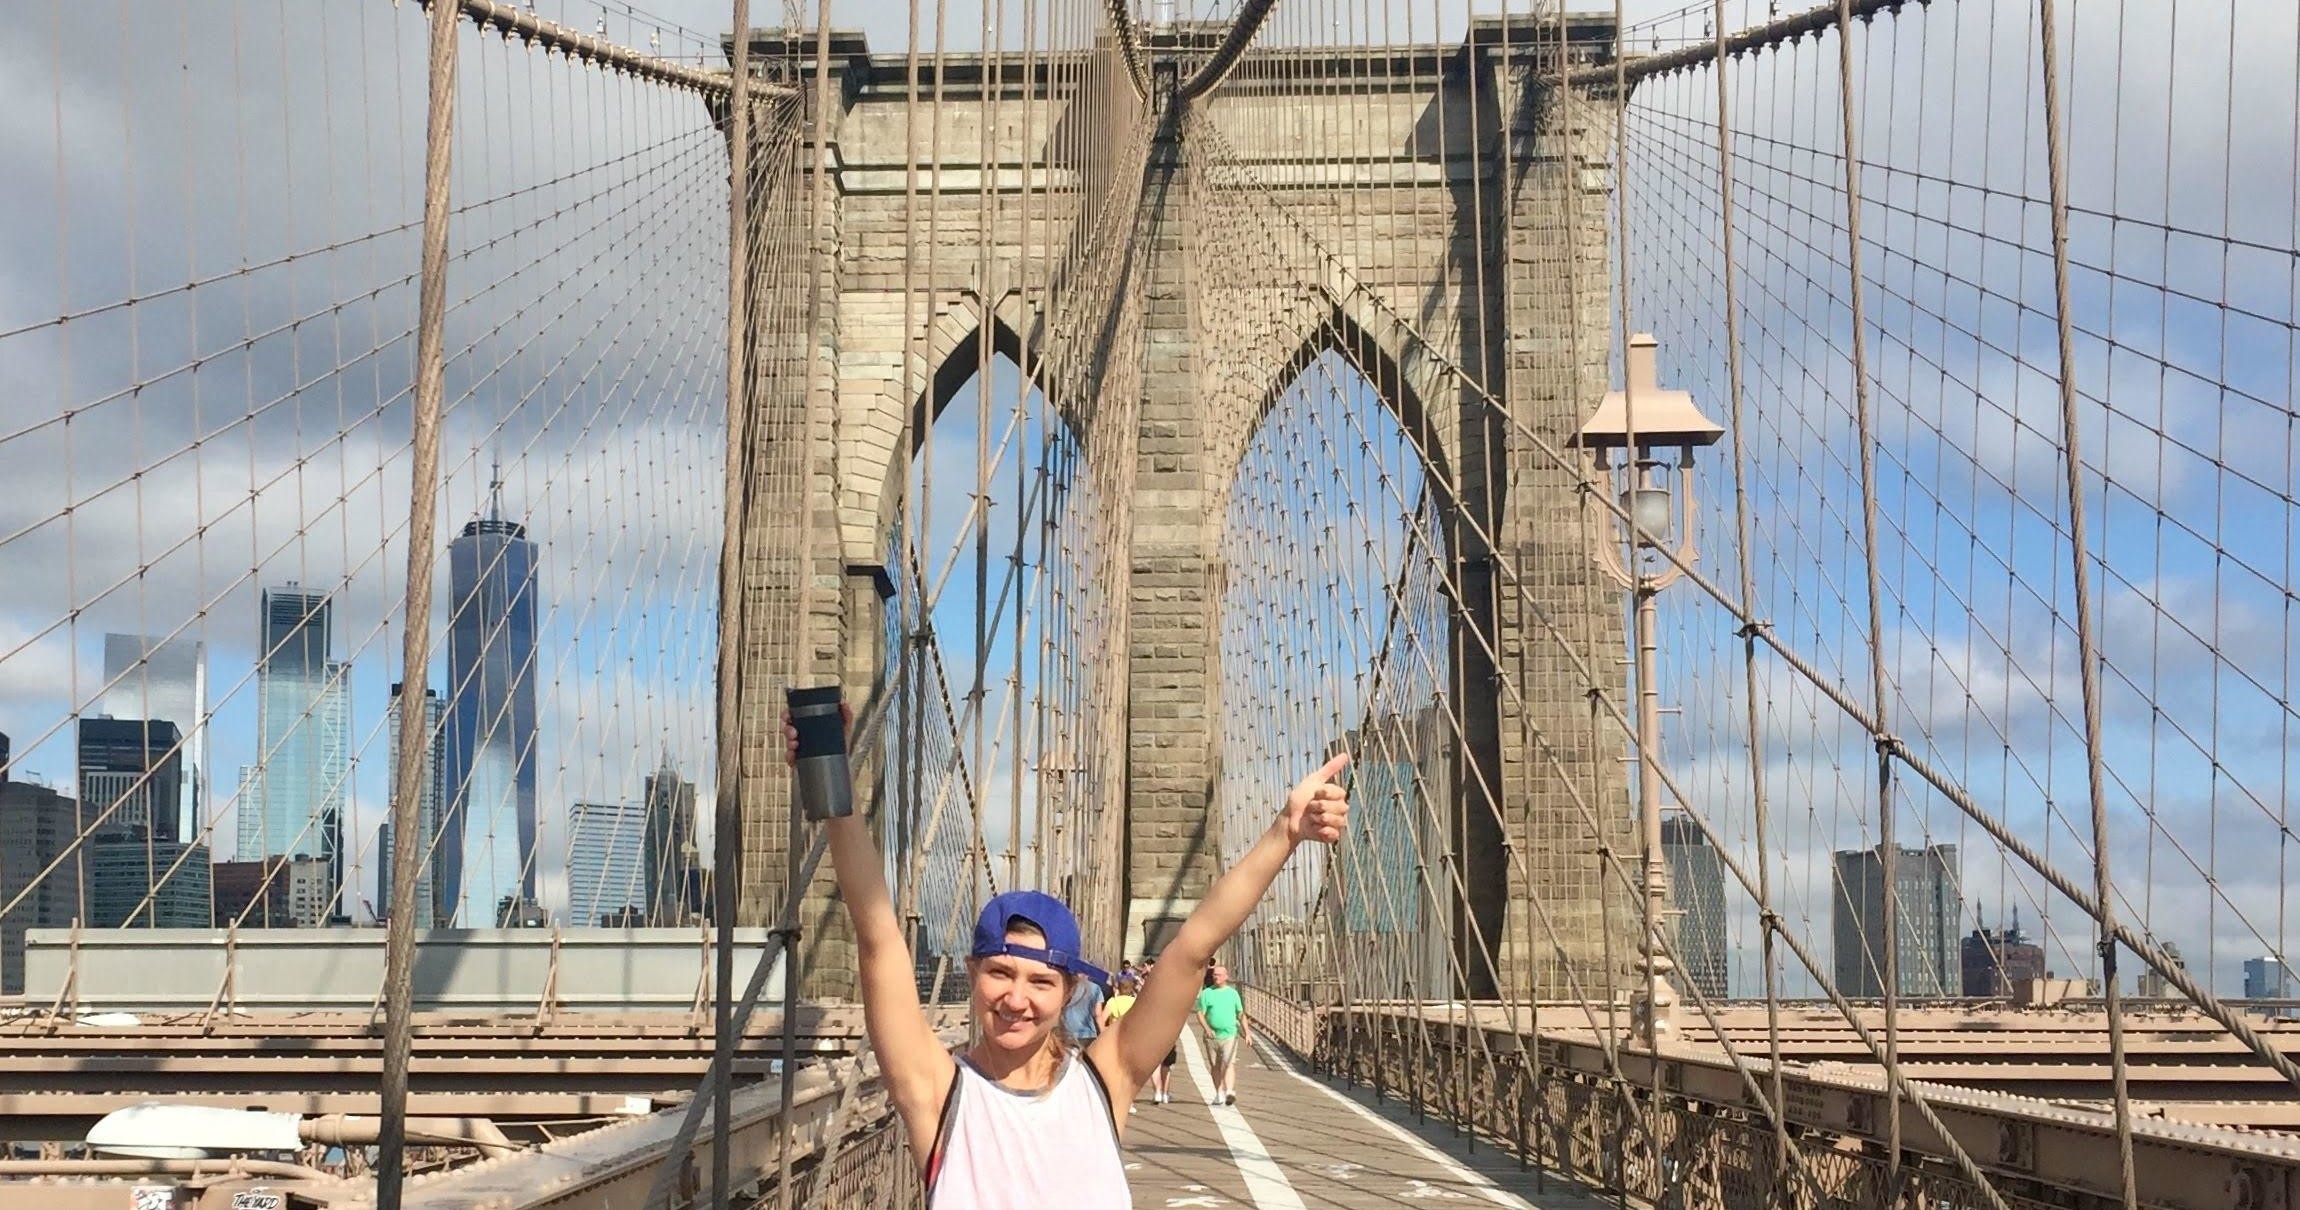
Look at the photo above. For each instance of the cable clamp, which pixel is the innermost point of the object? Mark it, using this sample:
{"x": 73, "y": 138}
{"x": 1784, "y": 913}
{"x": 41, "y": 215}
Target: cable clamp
{"x": 1889, "y": 744}
{"x": 1754, "y": 628}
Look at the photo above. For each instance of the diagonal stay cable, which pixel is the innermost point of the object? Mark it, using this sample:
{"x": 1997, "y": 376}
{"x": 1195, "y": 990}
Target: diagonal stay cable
{"x": 1957, "y": 795}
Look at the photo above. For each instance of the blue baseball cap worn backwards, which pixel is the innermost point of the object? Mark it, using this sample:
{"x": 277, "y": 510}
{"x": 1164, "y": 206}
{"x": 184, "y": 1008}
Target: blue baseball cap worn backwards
{"x": 1051, "y": 916}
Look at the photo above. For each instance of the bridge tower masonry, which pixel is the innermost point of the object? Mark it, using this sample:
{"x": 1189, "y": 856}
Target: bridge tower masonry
{"x": 1459, "y": 263}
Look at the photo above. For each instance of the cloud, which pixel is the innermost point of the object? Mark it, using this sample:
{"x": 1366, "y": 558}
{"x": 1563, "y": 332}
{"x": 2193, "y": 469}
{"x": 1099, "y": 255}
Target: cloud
{"x": 245, "y": 421}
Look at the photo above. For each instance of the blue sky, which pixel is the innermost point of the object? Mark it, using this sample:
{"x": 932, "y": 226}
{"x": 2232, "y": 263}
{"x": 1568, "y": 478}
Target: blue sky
{"x": 2185, "y": 422}
{"x": 252, "y": 431}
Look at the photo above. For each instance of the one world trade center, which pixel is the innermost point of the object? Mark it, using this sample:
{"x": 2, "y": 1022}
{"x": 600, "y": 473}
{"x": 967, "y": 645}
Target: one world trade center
{"x": 483, "y": 866}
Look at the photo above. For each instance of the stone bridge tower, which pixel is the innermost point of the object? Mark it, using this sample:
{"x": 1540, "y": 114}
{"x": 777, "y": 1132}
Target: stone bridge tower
{"x": 1459, "y": 262}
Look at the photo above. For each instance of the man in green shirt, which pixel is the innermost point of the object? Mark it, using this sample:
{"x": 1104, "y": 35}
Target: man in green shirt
{"x": 1222, "y": 1014}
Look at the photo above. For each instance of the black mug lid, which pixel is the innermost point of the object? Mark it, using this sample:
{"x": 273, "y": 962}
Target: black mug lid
{"x": 821, "y": 695}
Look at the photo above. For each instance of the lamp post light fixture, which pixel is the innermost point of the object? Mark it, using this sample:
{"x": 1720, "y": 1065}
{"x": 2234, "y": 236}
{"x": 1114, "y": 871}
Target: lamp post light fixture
{"x": 1643, "y": 422}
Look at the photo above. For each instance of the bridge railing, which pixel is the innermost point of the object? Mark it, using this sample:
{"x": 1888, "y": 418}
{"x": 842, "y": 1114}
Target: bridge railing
{"x": 845, "y": 1151}
{"x": 1292, "y": 1023}
{"x": 1688, "y": 1128}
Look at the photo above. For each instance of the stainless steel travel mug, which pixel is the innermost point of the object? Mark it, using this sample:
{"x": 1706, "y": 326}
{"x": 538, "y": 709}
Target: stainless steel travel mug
{"x": 826, "y": 789}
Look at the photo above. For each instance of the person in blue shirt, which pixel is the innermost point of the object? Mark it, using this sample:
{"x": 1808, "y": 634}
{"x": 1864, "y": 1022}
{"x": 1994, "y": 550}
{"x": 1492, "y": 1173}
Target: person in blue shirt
{"x": 1084, "y": 1016}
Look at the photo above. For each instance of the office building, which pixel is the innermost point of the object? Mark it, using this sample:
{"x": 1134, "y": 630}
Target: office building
{"x": 384, "y": 856}
{"x": 671, "y": 859}
{"x": 303, "y": 719}
{"x": 487, "y": 850}
{"x": 276, "y": 892}
{"x": 131, "y": 777}
{"x": 1401, "y": 786}
{"x": 1996, "y": 961}
{"x": 606, "y": 849}
{"x": 2152, "y": 985}
{"x": 1697, "y": 893}
{"x": 37, "y": 825}
{"x": 137, "y": 882}
{"x": 2267, "y": 978}
{"x": 333, "y": 858}
{"x": 430, "y": 797}
{"x": 251, "y": 894}
{"x": 1928, "y": 921}
{"x": 165, "y": 680}
{"x": 312, "y": 897}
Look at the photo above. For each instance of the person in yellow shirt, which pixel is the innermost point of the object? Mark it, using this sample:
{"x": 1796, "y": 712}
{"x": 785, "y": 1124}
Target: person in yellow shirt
{"x": 1128, "y": 987}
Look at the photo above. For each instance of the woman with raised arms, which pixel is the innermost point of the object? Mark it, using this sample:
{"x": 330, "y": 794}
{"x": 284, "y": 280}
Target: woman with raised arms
{"x": 1024, "y": 1119}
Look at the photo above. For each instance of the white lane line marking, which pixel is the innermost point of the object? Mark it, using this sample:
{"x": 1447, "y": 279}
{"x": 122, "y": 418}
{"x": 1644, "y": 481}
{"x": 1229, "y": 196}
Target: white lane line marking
{"x": 1266, "y": 1183}
{"x": 1475, "y": 1180}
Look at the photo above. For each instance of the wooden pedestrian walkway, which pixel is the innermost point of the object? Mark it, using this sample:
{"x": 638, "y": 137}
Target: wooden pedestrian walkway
{"x": 1294, "y": 1142}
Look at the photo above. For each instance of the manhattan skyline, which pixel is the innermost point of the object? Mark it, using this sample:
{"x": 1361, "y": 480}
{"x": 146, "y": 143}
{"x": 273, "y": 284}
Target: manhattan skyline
{"x": 586, "y": 740}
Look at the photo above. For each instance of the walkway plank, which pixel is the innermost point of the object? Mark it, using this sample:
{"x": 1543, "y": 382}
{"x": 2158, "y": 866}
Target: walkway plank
{"x": 1327, "y": 1154}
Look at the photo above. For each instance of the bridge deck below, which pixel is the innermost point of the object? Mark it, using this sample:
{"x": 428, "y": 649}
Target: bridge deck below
{"x": 1295, "y": 1141}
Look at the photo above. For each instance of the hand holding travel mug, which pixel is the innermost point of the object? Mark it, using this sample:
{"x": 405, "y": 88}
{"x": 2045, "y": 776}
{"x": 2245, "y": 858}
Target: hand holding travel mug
{"x": 826, "y": 789}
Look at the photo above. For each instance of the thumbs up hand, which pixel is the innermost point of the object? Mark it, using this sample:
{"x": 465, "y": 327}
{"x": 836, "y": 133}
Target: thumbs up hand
{"x": 1318, "y": 808}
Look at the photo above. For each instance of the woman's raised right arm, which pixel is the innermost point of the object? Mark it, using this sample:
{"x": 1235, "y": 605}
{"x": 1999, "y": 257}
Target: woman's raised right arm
{"x": 912, "y": 1061}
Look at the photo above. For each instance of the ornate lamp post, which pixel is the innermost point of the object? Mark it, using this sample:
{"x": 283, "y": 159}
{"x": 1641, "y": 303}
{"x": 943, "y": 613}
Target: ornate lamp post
{"x": 1643, "y": 422}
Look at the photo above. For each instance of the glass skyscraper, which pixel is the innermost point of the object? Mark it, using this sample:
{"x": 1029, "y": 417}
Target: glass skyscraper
{"x": 136, "y": 882}
{"x": 131, "y": 776}
{"x": 1401, "y": 783}
{"x": 303, "y": 717}
{"x": 606, "y": 846}
{"x": 429, "y": 796}
{"x": 1929, "y": 921}
{"x": 165, "y": 680}
{"x": 1697, "y": 894}
{"x": 673, "y": 865}
{"x": 488, "y": 843}
{"x": 37, "y": 826}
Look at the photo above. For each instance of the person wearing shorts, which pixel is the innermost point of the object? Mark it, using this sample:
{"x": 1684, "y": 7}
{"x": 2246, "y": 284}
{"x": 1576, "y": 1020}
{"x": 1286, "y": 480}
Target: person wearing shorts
{"x": 1161, "y": 1080}
{"x": 1222, "y": 1013}
{"x": 1129, "y": 987}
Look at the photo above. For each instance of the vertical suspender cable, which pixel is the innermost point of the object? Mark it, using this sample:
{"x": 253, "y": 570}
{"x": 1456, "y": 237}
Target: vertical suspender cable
{"x": 1023, "y": 158}
{"x": 415, "y": 653}
{"x": 1865, "y": 436}
{"x": 726, "y": 842}
{"x": 917, "y": 415}
{"x": 1767, "y": 919}
{"x": 993, "y": 86}
{"x": 1653, "y": 900}
{"x": 2087, "y": 641}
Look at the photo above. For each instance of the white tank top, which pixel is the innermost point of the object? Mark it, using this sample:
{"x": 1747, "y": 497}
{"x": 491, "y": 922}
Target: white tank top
{"x": 999, "y": 1149}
